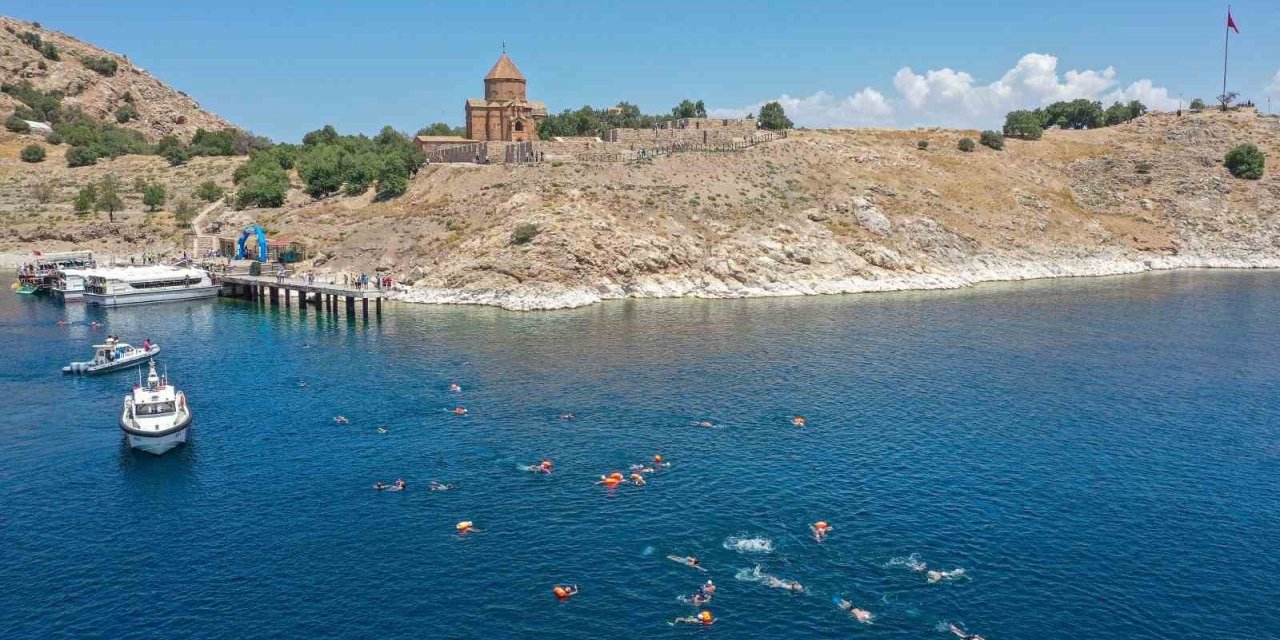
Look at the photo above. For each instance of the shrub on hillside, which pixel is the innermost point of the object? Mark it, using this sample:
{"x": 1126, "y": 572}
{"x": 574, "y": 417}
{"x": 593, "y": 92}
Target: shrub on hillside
{"x": 965, "y": 145}
{"x": 1246, "y": 161}
{"x": 209, "y": 191}
{"x": 267, "y": 188}
{"x": 172, "y": 149}
{"x": 922, "y": 145}
{"x": 153, "y": 195}
{"x": 184, "y": 213}
{"x": 30, "y": 39}
{"x": 992, "y": 139}
{"x": 524, "y": 233}
{"x": 36, "y": 104}
{"x": 103, "y": 66}
{"x": 125, "y": 113}
{"x": 43, "y": 192}
{"x": 85, "y": 199}
{"x": 1197, "y": 105}
{"x": 81, "y": 157}
{"x": 16, "y": 124}
{"x": 32, "y": 153}
{"x": 49, "y": 51}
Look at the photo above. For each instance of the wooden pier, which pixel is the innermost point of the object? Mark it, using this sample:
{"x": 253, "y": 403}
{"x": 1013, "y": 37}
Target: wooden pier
{"x": 322, "y": 295}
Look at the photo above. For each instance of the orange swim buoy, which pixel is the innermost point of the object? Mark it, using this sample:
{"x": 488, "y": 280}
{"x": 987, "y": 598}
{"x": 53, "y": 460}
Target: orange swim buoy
{"x": 615, "y": 476}
{"x": 560, "y": 592}
{"x": 464, "y": 526}
{"x": 611, "y": 482}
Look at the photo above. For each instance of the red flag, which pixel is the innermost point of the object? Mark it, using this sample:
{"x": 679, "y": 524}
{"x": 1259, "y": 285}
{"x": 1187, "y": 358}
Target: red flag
{"x": 1231, "y": 24}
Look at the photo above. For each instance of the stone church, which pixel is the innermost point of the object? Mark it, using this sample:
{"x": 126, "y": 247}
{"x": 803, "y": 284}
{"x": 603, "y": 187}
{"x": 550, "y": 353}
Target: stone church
{"x": 505, "y": 113}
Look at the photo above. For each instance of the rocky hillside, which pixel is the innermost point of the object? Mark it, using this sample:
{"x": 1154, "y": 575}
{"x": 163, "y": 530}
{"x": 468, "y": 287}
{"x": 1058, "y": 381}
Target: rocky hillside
{"x": 161, "y": 110}
{"x": 820, "y": 212}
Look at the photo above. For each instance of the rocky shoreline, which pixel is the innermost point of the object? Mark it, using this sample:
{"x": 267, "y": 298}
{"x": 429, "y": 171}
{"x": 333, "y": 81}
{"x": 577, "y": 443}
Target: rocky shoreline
{"x": 547, "y": 297}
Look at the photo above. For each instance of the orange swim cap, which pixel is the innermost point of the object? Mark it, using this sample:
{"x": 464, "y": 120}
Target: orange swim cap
{"x": 657, "y": 458}
{"x": 615, "y": 475}
{"x": 820, "y": 524}
{"x": 463, "y": 526}
{"x": 705, "y": 617}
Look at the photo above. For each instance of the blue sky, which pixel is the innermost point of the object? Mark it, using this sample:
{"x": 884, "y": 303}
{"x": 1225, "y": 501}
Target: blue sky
{"x": 284, "y": 69}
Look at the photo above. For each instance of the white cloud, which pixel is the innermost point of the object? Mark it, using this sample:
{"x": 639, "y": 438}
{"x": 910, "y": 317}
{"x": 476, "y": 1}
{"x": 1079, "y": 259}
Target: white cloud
{"x": 1273, "y": 89}
{"x": 822, "y": 109}
{"x": 953, "y": 98}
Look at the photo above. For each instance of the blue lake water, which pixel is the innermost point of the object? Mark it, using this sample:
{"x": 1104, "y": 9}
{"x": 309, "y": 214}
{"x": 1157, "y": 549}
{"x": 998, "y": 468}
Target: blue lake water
{"x": 1101, "y": 457}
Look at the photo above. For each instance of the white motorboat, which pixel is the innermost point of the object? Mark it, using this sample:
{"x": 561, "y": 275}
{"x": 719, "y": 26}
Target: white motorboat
{"x": 156, "y": 416}
{"x": 154, "y": 283}
{"x": 113, "y": 356}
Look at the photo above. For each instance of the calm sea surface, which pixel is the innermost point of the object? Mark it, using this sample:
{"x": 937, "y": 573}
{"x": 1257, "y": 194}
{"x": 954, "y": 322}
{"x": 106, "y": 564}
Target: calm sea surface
{"x": 1100, "y": 457}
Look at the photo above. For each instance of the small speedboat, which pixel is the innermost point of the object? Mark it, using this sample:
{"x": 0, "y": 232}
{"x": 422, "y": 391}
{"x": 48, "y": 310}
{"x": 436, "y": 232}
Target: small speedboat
{"x": 156, "y": 416}
{"x": 113, "y": 356}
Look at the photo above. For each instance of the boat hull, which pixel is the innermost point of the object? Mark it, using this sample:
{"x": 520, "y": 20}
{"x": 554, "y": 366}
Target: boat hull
{"x": 157, "y": 443}
{"x": 90, "y": 370}
{"x": 147, "y": 297}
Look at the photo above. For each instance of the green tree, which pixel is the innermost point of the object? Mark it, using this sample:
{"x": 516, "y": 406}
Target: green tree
{"x": 992, "y": 139}
{"x": 687, "y": 109}
{"x": 173, "y": 150}
{"x": 32, "y": 153}
{"x": 1136, "y": 109}
{"x": 321, "y": 171}
{"x": 441, "y": 129}
{"x": 109, "y": 196}
{"x": 154, "y": 196}
{"x": 16, "y": 124}
{"x": 81, "y": 157}
{"x": 774, "y": 118}
{"x": 1197, "y": 105}
{"x": 1023, "y": 124}
{"x": 184, "y": 213}
{"x": 1246, "y": 161}
{"x": 125, "y": 113}
{"x": 86, "y": 199}
{"x": 965, "y": 145}
{"x": 209, "y": 191}
{"x": 264, "y": 189}
{"x": 1081, "y": 113}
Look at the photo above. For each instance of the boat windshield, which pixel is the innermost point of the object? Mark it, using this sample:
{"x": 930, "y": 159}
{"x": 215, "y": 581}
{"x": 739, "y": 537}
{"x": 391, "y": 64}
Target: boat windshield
{"x": 154, "y": 409}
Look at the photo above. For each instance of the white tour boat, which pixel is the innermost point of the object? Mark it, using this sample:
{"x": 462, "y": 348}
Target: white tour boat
{"x": 113, "y": 356}
{"x": 155, "y": 283}
{"x": 68, "y": 284}
{"x": 156, "y": 416}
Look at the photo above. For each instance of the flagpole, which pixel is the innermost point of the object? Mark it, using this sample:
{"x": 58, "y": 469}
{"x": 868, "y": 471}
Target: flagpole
{"x": 1226, "y": 43}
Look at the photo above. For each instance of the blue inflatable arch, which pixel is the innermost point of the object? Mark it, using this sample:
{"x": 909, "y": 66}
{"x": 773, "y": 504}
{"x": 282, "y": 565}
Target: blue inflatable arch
{"x": 262, "y": 243}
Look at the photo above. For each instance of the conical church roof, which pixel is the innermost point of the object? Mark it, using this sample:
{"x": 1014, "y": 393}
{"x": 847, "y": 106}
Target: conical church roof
{"x": 504, "y": 69}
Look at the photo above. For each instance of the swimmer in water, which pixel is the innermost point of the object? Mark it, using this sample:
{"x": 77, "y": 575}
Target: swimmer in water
{"x": 639, "y": 468}
{"x": 567, "y": 416}
{"x": 704, "y": 618}
{"x": 799, "y": 421}
{"x": 961, "y": 633}
{"x": 938, "y": 576}
{"x": 820, "y": 530}
{"x": 564, "y": 593}
{"x": 455, "y": 387}
{"x": 378, "y": 486}
{"x": 62, "y": 323}
{"x": 543, "y": 467}
{"x": 382, "y": 430}
{"x": 688, "y": 561}
{"x": 440, "y": 486}
{"x": 789, "y": 585}
{"x": 341, "y": 419}
{"x": 612, "y": 480}
{"x": 400, "y": 484}
{"x": 459, "y": 411}
{"x": 637, "y": 480}
{"x": 302, "y": 384}
{"x": 861, "y": 615}
{"x": 658, "y": 463}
